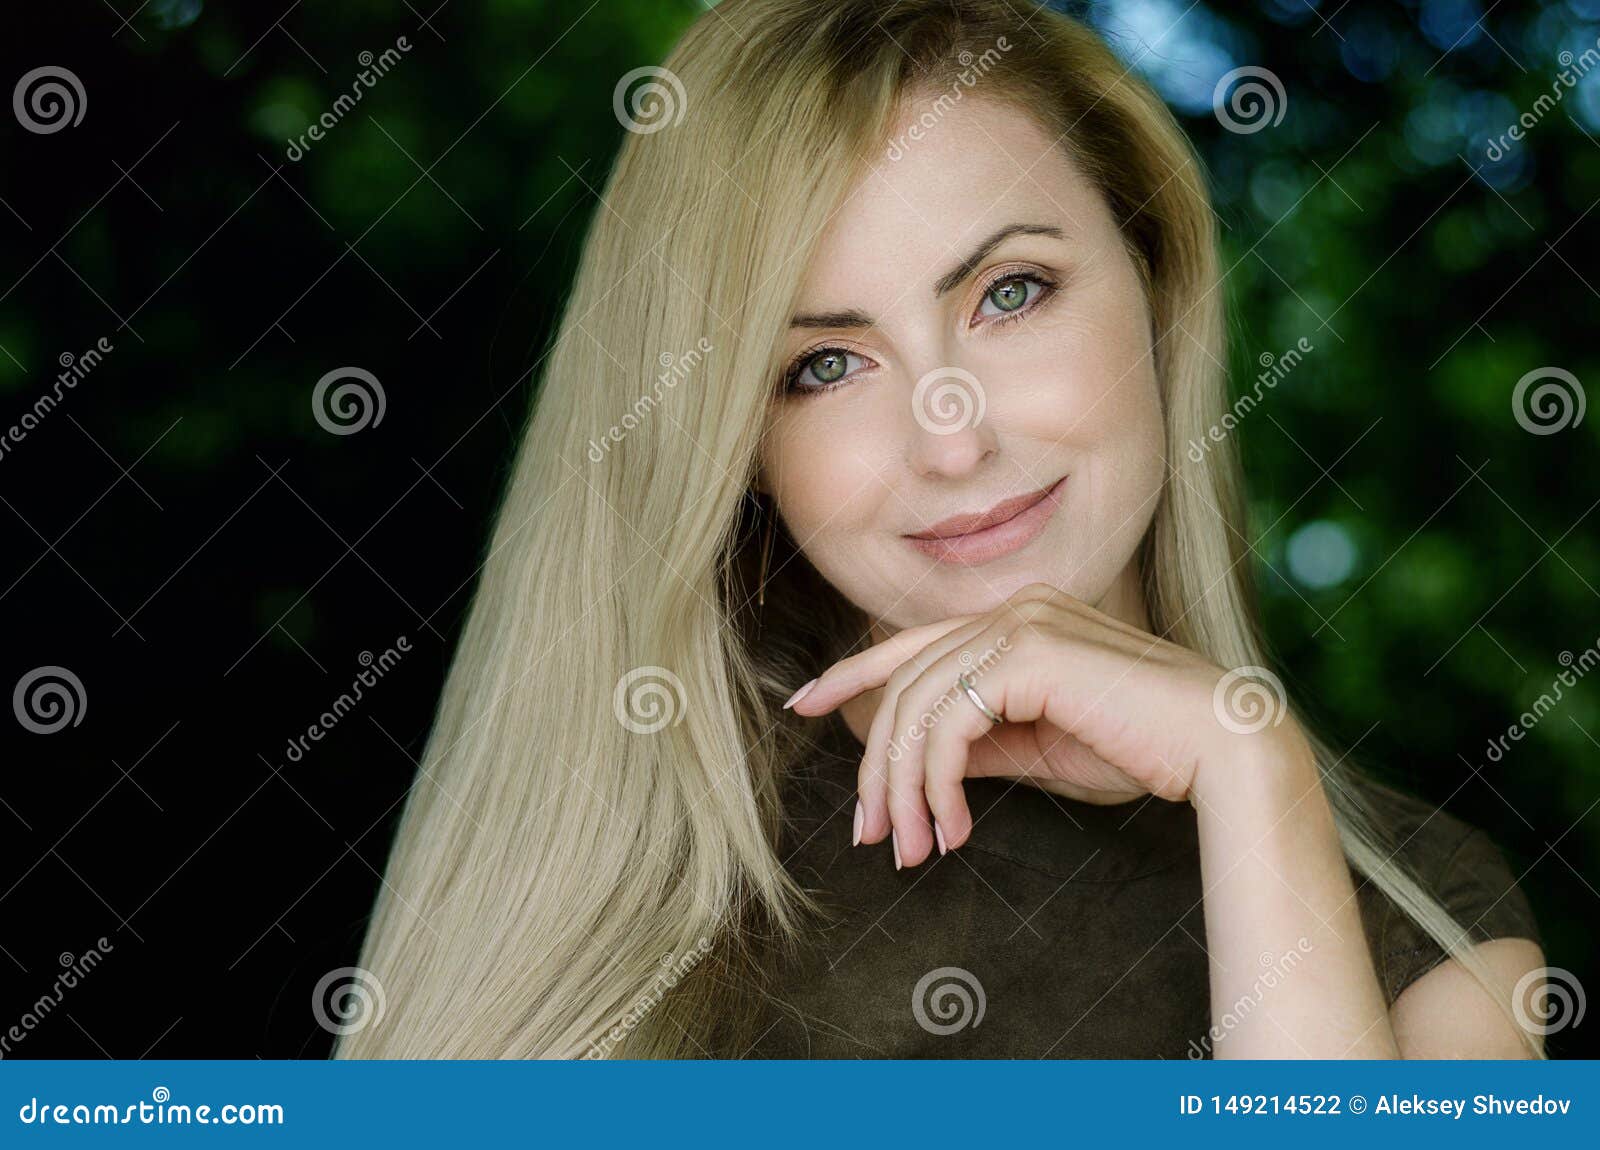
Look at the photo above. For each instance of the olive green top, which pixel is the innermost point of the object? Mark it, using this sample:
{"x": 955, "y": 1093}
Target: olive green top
{"x": 1060, "y": 929}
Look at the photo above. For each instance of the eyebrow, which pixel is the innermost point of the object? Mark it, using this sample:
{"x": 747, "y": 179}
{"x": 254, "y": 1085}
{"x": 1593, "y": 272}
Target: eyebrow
{"x": 855, "y": 318}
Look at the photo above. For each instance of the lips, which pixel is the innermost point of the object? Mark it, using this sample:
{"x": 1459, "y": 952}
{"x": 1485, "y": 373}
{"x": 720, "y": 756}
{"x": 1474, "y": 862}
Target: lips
{"x": 969, "y": 524}
{"x": 968, "y": 540}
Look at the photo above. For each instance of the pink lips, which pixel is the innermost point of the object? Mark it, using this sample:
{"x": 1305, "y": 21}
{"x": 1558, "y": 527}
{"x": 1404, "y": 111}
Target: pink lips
{"x": 969, "y": 540}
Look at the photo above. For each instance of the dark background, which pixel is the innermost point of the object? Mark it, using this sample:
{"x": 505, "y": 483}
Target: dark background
{"x": 210, "y": 563}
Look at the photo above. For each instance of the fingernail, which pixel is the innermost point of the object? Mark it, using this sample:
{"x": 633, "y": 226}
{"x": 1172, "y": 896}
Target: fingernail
{"x": 895, "y": 839}
{"x": 938, "y": 833}
{"x": 800, "y": 694}
{"x": 855, "y": 834}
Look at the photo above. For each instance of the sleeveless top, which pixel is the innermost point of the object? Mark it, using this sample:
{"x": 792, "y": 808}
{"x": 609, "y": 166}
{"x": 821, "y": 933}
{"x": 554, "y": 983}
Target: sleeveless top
{"x": 1060, "y": 929}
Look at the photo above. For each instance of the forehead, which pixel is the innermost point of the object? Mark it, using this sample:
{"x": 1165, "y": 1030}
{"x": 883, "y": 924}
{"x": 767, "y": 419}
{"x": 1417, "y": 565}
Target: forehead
{"x": 947, "y": 176}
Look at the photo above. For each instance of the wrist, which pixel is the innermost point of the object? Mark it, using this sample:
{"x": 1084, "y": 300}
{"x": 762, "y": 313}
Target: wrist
{"x": 1279, "y": 761}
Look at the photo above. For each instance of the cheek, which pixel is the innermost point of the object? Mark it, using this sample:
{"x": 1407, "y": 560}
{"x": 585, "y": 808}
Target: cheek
{"x": 820, "y": 467}
{"x": 1123, "y": 443}
{"x": 1085, "y": 381}
{"x": 1096, "y": 406}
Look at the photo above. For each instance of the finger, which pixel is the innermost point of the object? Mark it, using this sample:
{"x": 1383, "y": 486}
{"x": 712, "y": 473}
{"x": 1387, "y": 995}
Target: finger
{"x": 871, "y": 668}
{"x": 872, "y": 779}
{"x": 947, "y": 750}
{"x": 1008, "y": 751}
{"x": 908, "y": 804}
{"x": 876, "y": 777}
{"x": 943, "y": 773}
{"x": 914, "y": 716}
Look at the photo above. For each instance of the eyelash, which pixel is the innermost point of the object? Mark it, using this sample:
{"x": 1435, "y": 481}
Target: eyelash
{"x": 792, "y": 373}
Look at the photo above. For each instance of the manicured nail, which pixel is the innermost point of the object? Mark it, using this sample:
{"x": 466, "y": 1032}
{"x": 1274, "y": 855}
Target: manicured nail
{"x": 895, "y": 839}
{"x": 938, "y": 833}
{"x": 855, "y": 834}
{"x": 800, "y": 694}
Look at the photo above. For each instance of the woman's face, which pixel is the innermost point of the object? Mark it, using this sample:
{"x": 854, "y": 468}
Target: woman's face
{"x": 971, "y": 335}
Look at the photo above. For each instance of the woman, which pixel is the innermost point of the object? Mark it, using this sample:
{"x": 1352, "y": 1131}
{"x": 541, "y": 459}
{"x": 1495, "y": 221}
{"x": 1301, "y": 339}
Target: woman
{"x": 877, "y": 372}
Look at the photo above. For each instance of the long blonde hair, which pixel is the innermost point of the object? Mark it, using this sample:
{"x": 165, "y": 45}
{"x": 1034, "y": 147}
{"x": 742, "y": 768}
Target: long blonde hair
{"x": 586, "y": 863}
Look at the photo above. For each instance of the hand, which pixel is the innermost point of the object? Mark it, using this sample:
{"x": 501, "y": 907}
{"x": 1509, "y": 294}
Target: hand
{"x": 1093, "y": 705}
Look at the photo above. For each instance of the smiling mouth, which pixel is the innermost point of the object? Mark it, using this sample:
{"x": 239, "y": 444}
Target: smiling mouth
{"x": 968, "y": 540}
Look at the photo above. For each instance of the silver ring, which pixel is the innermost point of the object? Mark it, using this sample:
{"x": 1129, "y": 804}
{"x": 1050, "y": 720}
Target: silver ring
{"x": 977, "y": 700}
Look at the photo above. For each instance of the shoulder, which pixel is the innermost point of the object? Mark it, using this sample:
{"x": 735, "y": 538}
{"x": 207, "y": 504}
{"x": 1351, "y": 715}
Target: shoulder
{"x": 1456, "y": 862}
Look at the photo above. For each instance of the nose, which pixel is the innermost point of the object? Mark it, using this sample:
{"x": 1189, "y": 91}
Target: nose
{"x": 950, "y": 427}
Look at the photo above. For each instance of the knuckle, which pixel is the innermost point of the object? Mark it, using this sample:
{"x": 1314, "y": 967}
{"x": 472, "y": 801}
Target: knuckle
{"x": 1030, "y": 593}
{"x": 902, "y": 676}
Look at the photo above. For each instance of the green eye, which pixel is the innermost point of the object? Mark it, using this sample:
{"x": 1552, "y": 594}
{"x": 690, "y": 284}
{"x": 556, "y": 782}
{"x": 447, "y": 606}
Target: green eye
{"x": 829, "y": 366}
{"x": 1011, "y": 294}
{"x": 824, "y": 369}
{"x": 1008, "y": 295}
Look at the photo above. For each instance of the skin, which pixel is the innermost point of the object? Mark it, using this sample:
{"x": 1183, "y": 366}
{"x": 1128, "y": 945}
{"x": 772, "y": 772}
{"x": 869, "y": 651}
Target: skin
{"x": 1094, "y": 706}
{"x": 1067, "y": 389}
